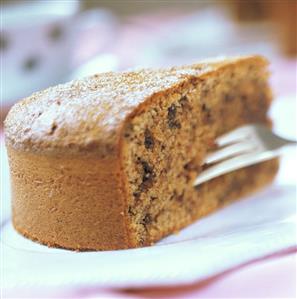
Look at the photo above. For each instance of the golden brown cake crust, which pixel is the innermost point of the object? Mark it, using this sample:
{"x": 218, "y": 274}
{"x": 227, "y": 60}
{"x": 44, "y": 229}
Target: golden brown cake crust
{"x": 68, "y": 202}
{"x": 87, "y": 115}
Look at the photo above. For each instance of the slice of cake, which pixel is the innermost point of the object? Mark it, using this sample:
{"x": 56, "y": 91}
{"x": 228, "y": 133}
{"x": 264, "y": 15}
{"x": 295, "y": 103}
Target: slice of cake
{"x": 109, "y": 161}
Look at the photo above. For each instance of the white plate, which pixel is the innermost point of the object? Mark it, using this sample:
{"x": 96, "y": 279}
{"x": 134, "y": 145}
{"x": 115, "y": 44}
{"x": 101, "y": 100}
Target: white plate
{"x": 244, "y": 231}
{"x": 249, "y": 229}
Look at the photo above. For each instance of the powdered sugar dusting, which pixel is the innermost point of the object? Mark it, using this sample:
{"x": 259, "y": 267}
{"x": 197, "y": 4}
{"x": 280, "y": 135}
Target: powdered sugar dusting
{"x": 88, "y": 111}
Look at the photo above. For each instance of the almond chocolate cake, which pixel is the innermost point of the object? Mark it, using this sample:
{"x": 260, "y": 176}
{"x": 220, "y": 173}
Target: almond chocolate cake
{"x": 108, "y": 162}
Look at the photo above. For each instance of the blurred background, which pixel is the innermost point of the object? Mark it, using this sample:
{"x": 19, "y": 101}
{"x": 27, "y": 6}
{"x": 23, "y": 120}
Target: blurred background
{"x": 43, "y": 43}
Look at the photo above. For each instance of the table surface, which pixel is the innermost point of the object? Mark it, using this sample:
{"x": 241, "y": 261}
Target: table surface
{"x": 274, "y": 277}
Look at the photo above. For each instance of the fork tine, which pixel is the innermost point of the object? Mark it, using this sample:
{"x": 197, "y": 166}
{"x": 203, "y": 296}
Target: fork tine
{"x": 229, "y": 151}
{"x": 233, "y": 136}
{"x": 234, "y": 164}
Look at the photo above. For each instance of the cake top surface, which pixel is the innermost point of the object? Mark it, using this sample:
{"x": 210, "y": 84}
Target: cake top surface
{"x": 87, "y": 113}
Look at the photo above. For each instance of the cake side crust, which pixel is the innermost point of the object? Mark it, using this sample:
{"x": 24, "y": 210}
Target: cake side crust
{"x": 68, "y": 202}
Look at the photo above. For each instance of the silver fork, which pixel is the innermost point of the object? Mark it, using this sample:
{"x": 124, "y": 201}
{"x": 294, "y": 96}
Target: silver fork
{"x": 244, "y": 146}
